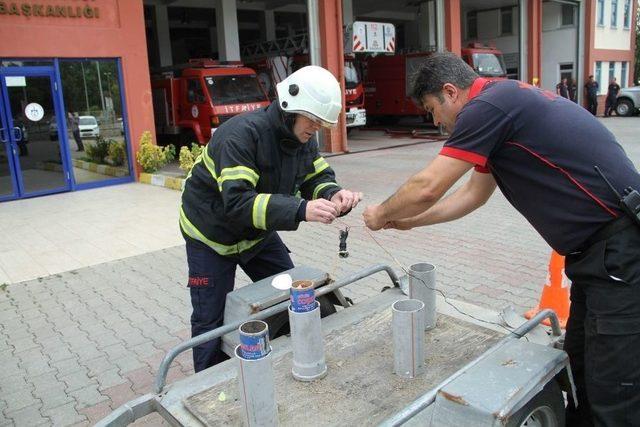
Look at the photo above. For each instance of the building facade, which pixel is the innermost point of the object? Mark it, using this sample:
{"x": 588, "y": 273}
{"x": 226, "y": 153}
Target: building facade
{"x": 75, "y": 92}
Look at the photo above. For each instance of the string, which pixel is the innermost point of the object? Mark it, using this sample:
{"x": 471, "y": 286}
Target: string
{"x": 444, "y": 296}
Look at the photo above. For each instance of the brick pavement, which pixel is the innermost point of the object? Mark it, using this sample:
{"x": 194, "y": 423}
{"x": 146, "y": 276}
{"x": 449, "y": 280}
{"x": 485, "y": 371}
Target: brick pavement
{"x": 78, "y": 344}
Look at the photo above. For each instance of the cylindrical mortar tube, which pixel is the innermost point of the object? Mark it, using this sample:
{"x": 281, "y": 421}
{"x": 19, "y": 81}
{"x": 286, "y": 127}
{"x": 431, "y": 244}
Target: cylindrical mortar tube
{"x": 407, "y": 322}
{"x": 307, "y": 344}
{"x": 256, "y": 387}
{"x": 422, "y": 286}
{"x": 254, "y": 339}
{"x": 303, "y": 296}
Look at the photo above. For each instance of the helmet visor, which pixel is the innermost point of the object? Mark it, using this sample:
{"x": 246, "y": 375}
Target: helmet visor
{"x": 316, "y": 119}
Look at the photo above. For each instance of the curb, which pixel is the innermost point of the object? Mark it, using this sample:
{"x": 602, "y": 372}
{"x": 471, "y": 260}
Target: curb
{"x": 162, "y": 181}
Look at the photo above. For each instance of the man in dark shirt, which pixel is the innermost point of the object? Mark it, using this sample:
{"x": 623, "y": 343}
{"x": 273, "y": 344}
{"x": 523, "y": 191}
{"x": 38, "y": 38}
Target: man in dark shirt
{"x": 612, "y": 96}
{"x": 591, "y": 88}
{"x": 540, "y": 150}
{"x": 562, "y": 89}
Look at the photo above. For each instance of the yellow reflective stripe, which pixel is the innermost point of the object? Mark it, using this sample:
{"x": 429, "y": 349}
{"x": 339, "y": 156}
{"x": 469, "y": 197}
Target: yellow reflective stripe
{"x": 238, "y": 172}
{"x": 319, "y": 164}
{"x": 224, "y": 250}
{"x": 209, "y": 163}
{"x": 322, "y": 186}
{"x": 260, "y": 211}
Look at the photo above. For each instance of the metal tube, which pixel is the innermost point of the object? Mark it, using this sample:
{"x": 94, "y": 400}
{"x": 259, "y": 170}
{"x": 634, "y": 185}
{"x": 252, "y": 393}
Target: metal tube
{"x": 225, "y": 329}
{"x": 428, "y": 398}
{"x": 422, "y": 286}
{"x": 307, "y": 344}
{"x": 408, "y": 337}
{"x": 256, "y": 387}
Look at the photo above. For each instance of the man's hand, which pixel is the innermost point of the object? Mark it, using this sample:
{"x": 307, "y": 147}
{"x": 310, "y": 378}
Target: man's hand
{"x": 373, "y": 218}
{"x": 321, "y": 210}
{"x": 346, "y": 200}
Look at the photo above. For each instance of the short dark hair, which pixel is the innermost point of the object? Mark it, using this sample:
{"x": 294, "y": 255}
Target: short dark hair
{"x": 438, "y": 69}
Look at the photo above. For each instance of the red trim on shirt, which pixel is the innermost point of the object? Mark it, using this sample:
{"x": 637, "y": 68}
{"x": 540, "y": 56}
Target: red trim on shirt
{"x": 477, "y": 86}
{"x": 467, "y": 156}
{"x": 568, "y": 175}
{"x": 481, "y": 169}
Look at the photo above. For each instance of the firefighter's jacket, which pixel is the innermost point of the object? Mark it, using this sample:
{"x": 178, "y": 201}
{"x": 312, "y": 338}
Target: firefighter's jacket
{"x": 250, "y": 181}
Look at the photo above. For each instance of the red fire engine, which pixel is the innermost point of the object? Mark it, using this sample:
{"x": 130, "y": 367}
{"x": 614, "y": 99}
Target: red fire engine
{"x": 191, "y": 101}
{"x": 274, "y": 60}
{"x": 388, "y": 79}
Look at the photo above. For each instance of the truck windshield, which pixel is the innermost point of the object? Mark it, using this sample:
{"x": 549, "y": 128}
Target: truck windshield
{"x": 234, "y": 89}
{"x": 489, "y": 65}
{"x": 351, "y": 77}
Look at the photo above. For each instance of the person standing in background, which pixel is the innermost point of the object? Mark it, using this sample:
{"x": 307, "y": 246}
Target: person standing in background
{"x": 612, "y": 96}
{"x": 591, "y": 88}
{"x": 562, "y": 89}
{"x": 73, "y": 121}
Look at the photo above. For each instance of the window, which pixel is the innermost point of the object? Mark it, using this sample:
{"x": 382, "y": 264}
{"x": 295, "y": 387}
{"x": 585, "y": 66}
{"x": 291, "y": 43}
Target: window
{"x": 506, "y": 21}
{"x": 567, "y": 14}
{"x": 194, "y": 91}
{"x": 627, "y": 13}
{"x": 94, "y": 113}
{"x": 566, "y": 71}
{"x": 623, "y": 75}
{"x": 601, "y": 12}
{"x": 612, "y": 70}
{"x": 472, "y": 25}
{"x": 599, "y": 74}
{"x": 614, "y": 13}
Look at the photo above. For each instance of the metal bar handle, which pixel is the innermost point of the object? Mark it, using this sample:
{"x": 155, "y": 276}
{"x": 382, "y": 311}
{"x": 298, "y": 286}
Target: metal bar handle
{"x": 17, "y": 134}
{"x": 225, "y": 329}
{"x": 428, "y": 398}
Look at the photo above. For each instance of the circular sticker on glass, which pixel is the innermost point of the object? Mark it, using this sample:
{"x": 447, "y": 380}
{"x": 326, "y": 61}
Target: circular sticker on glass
{"x": 34, "y": 112}
{"x": 194, "y": 111}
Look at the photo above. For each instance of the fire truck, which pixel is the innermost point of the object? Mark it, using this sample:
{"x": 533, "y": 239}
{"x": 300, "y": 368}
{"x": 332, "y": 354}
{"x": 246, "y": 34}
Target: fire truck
{"x": 388, "y": 79}
{"x": 274, "y": 60}
{"x": 192, "y": 100}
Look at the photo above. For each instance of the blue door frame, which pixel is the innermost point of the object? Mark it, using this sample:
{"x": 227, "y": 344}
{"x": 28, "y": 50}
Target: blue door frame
{"x": 9, "y": 137}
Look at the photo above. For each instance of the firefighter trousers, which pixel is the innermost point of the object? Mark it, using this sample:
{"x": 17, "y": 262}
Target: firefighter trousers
{"x": 212, "y": 277}
{"x": 603, "y": 331}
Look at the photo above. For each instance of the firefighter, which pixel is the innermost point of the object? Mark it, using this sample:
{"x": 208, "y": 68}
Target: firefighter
{"x": 540, "y": 150}
{"x": 261, "y": 172}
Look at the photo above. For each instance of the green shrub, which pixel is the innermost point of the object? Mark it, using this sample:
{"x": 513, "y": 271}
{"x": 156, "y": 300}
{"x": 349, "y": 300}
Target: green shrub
{"x": 117, "y": 153}
{"x": 151, "y": 157}
{"x": 188, "y": 157}
{"x": 99, "y": 151}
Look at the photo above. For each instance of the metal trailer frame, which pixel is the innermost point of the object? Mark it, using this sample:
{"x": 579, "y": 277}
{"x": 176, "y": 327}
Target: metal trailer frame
{"x": 151, "y": 402}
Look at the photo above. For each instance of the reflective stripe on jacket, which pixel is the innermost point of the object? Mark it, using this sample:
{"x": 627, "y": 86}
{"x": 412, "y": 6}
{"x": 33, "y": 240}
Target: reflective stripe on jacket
{"x": 249, "y": 181}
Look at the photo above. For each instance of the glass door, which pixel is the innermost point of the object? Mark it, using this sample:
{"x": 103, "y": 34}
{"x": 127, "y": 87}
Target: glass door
{"x": 31, "y": 159}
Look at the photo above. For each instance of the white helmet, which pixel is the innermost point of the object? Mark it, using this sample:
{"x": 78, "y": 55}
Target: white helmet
{"x": 313, "y": 92}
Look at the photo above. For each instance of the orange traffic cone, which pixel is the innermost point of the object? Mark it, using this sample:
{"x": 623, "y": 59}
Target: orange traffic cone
{"x": 555, "y": 294}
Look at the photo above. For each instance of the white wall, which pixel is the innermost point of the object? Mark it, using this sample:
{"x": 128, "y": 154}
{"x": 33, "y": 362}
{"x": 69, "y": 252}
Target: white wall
{"x": 489, "y": 32}
{"x": 612, "y": 38}
{"x": 559, "y": 45}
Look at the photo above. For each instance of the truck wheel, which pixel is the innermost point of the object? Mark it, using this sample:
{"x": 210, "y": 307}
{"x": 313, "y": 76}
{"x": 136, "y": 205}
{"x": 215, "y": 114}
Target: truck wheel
{"x": 279, "y": 323}
{"x": 546, "y": 409}
{"x": 624, "y": 107}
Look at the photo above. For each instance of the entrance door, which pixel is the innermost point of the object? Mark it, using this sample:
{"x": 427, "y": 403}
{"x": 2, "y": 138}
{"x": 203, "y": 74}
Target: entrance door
{"x": 31, "y": 156}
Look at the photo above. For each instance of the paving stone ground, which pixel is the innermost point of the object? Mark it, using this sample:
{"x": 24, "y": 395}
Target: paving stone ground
{"x": 76, "y": 345}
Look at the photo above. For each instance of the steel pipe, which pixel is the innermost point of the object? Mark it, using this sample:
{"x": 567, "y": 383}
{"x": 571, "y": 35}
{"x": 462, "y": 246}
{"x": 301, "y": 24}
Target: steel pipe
{"x": 256, "y": 387}
{"x": 428, "y": 398}
{"x": 422, "y": 286}
{"x": 307, "y": 345}
{"x": 225, "y": 329}
{"x": 408, "y": 337}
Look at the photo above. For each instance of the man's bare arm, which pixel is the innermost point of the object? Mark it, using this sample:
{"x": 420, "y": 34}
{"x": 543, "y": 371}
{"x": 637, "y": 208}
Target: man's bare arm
{"x": 473, "y": 194}
{"x": 425, "y": 188}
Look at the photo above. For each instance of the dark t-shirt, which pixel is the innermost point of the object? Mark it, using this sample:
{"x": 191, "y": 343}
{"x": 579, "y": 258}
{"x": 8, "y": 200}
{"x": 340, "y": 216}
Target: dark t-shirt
{"x": 592, "y": 89}
{"x": 541, "y": 150}
{"x": 612, "y": 91}
{"x": 563, "y": 89}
